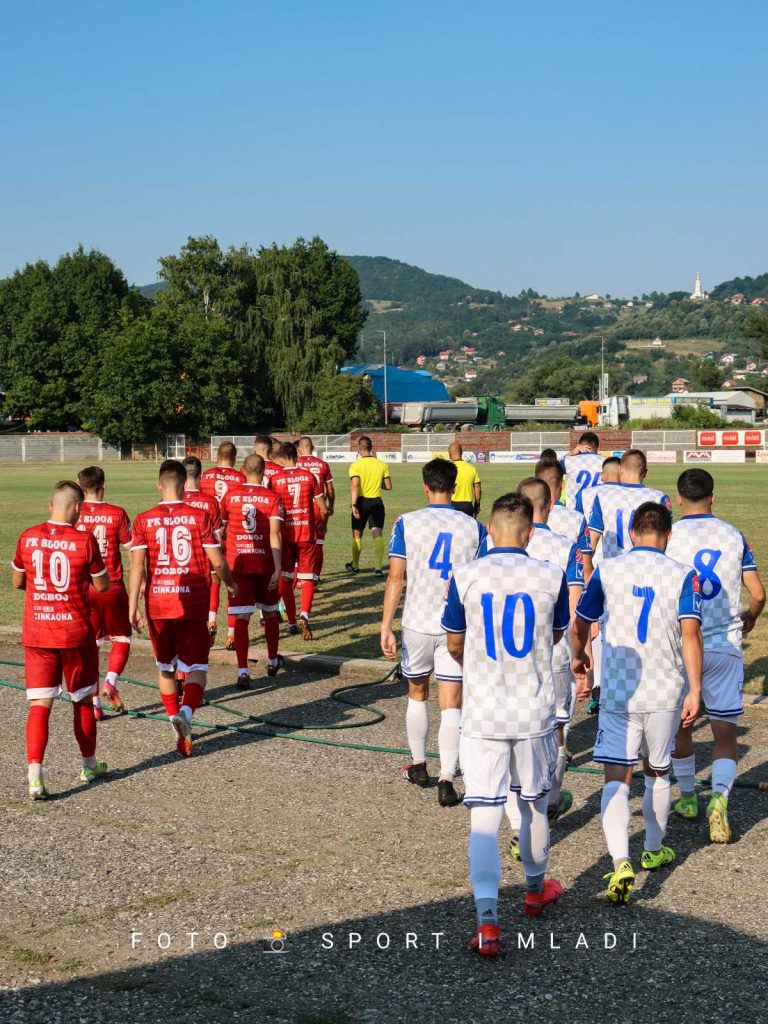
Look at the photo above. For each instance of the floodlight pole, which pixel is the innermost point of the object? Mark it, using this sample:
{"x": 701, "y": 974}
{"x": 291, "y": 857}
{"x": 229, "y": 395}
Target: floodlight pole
{"x": 386, "y": 407}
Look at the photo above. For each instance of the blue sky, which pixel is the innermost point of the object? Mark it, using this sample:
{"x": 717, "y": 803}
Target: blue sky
{"x": 611, "y": 147}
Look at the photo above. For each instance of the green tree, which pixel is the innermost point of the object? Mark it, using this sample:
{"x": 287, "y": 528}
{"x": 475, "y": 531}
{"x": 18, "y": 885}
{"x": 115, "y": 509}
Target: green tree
{"x": 339, "y": 404}
{"x": 756, "y": 326}
{"x": 556, "y": 377}
{"x": 708, "y": 376}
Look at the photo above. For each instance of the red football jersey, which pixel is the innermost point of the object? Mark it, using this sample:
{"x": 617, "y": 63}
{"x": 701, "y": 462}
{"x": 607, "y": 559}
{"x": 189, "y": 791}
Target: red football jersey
{"x": 297, "y": 489}
{"x": 271, "y": 469}
{"x": 319, "y": 469}
{"x": 111, "y": 527}
{"x": 174, "y": 536}
{"x": 58, "y": 561}
{"x": 217, "y": 481}
{"x": 206, "y": 502}
{"x": 246, "y": 512}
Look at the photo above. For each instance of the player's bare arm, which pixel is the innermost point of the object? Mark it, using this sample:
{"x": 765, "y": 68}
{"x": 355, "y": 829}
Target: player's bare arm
{"x": 393, "y": 591}
{"x": 386, "y": 483}
{"x": 754, "y": 587}
{"x": 136, "y": 586}
{"x": 19, "y": 580}
{"x": 101, "y": 582}
{"x": 693, "y": 657}
{"x": 330, "y": 497}
{"x": 455, "y": 642}
{"x": 322, "y": 508}
{"x": 580, "y": 662}
{"x": 478, "y": 496}
{"x": 221, "y": 568}
{"x": 354, "y": 494}
{"x": 276, "y": 544}
{"x": 594, "y": 540}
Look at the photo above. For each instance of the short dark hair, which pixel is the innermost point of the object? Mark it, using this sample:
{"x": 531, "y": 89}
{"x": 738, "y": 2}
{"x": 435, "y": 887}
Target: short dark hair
{"x": 529, "y": 487}
{"x": 635, "y": 460}
{"x": 650, "y": 517}
{"x": 695, "y": 485}
{"x": 365, "y": 443}
{"x": 612, "y": 460}
{"x": 287, "y": 450}
{"x": 307, "y": 441}
{"x": 548, "y": 453}
{"x": 440, "y": 475}
{"x": 91, "y": 478}
{"x": 253, "y": 464}
{"x": 69, "y": 485}
{"x": 227, "y": 450}
{"x": 263, "y": 439}
{"x": 193, "y": 466}
{"x": 549, "y": 465}
{"x": 513, "y": 506}
{"x": 590, "y": 438}
{"x": 172, "y": 469}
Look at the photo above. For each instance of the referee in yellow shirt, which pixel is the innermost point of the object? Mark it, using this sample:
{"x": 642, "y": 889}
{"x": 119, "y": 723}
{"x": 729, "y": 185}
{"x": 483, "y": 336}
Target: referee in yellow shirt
{"x": 369, "y": 478}
{"x": 468, "y": 490}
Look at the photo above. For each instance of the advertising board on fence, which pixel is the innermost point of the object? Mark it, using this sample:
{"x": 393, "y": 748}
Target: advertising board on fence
{"x": 389, "y": 456}
{"x": 658, "y": 458}
{"x": 731, "y": 438}
{"x": 762, "y": 457}
{"x": 513, "y": 456}
{"x": 715, "y": 456}
{"x": 338, "y": 456}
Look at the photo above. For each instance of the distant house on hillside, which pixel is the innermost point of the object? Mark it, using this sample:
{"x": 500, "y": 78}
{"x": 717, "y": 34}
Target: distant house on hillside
{"x": 680, "y": 384}
{"x": 657, "y": 343}
{"x": 501, "y": 353}
{"x": 594, "y": 297}
{"x": 640, "y": 378}
{"x": 750, "y": 367}
{"x": 467, "y": 350}
{"x": 470, "y": 374}
{"x": 421, "y": 360}
{"x": 727, "y": 359}
{"x": 445, "y": 354}
{"x": 737, "y": 299}
{"x": 760, "y": 301}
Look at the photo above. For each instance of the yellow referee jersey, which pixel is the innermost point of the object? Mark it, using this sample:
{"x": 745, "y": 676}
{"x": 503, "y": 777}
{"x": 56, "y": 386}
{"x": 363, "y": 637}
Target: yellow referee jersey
{"x": 372, "y": 474}
{"x": 467, "y": 477}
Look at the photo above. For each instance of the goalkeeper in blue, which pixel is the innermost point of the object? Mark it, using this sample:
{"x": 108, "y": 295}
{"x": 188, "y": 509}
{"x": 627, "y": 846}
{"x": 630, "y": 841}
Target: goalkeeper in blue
{"x": 724, "y": 562}
{"x": 651, "y": 611}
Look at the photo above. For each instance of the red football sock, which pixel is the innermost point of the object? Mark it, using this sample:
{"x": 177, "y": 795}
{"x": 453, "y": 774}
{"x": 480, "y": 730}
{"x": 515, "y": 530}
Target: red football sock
{"x": 213, "y": 605}
{"x": 193, "y": 696}
{"x": 231, "y": 620}
{"x": 289, "y": 599}
{"x": 84, "y": 721}
{"x": 241, "y": 643}
{"x": 118, "y": 657}
{"x": 37, "y": 733}
{"x": 170, "y": 703}
{"x": 307, "y": 596}
{"x": 272, "y": 635}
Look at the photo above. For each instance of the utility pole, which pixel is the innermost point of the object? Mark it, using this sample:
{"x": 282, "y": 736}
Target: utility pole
{"x": 386, "y": 406}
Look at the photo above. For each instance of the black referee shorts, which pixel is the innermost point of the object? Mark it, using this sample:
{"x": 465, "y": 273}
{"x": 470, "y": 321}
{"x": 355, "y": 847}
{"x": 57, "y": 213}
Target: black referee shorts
{"x": 371, "y": 512}
{"x": 464, "y": 506}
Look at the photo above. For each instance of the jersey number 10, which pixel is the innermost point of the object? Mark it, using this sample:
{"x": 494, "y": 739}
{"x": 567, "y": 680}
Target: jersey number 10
{"x": 508, "y": 614}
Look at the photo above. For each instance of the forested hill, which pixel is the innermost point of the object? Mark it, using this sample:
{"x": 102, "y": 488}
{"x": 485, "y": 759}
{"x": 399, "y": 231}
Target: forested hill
{"x": 749, "y": 287}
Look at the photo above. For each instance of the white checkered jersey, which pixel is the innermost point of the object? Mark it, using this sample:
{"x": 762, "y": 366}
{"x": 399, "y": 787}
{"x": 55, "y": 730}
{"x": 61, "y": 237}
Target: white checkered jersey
{"x": 642, "y": 596}
{"x": 583, "y": 470}
{"x": 561, "y": 551}
{"x": 433, "y": 541}
{"x": 507, "y": 604}
{"x": 568, "y": 523}
{"x": 613, "y": 513}
{"x": 720, "y": 555}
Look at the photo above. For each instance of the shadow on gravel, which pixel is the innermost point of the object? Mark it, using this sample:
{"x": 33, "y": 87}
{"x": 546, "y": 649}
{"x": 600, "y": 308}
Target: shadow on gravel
{"x": 579, "y": 964}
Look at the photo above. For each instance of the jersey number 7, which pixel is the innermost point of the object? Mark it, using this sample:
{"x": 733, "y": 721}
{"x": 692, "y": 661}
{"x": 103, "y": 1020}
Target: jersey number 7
{"x": 648, "y": 595}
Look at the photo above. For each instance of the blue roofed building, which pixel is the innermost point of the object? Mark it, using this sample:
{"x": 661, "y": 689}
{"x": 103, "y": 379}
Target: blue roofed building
{"x": 402, "y": 385}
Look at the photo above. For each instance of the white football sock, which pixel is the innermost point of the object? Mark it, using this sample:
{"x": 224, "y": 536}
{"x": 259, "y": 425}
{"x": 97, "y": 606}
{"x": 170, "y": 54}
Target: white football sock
{"x": 557, "y": 778}
{"x": 212, "y": 617}
{"x": 34, "y": 771}
{"x": 614, "y": 811}
{"x": 89, "y": 762}
{"x": 111, "y": 678}
{"x": 534, "y": 836}
{"x": 684, "y": 770}
{"x": 512, "y": 807}
{"x": 417, "y": 728}
{"x": 723, "y": 775}
{"x": 484, "y": 860}
{"x": 657, "y": 801}
{"x": 448, "y": 742}
{"x": 187, "y": 712}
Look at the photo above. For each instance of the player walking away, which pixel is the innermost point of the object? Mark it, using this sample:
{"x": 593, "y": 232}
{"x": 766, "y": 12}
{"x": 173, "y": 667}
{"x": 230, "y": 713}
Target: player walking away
{"x": 609, "y": 474}
{"x": 724, "y": 561}
{"x": 565, "y": 521}
{"x": 614, "y": 507}
{"x": 651, "y": 634}
{"x": 111, "y": 527}
{"x": 264, "y": 445}
{"x": 253, "y": 518}
{"x": 173, "y": 544}
{"x": 304, "y": 507}
{"x": 320, "y": 469}
{"x": 369, "y": 478}
{"x": 582, "y": 467}
{"x": 194, "y": 495}
{"x": 504, "y": 613}
{"x": 469, "y": 491}
{"x": 56, "y": 564}
{"x": 215, "y": 482}
{"x": 427, "y": 544}
{"x": 552, "y": 547}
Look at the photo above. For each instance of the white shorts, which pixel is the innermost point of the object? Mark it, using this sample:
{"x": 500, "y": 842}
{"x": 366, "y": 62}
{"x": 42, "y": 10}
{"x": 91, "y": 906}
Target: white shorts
{"x": 492, "y": 768}
{"x": 624, "y": 736}
{"x": 425, "y": 653}
{"x": 722, "y": 680}
{"x": 564, "y": 683}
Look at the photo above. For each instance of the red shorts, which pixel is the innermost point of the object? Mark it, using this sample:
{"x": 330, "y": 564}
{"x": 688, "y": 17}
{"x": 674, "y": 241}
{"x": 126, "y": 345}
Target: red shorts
{"x": 253, "y": 591}
{"x": 180, "y": 644}
{"x": 109, "y": 613}
{"x": 299, "y": 557}
{"x": 44, "y": 667}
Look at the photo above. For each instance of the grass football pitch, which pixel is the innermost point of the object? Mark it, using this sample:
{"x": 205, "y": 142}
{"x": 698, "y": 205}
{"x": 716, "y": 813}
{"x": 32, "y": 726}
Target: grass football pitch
{"x": 347, "y": 609}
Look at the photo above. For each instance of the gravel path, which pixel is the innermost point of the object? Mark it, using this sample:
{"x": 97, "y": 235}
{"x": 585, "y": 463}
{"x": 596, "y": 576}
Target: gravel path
{"x": 255, "y": 833}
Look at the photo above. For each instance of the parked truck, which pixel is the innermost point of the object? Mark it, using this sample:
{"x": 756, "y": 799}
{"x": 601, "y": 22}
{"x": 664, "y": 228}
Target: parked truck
{"x": 490, "y": 413}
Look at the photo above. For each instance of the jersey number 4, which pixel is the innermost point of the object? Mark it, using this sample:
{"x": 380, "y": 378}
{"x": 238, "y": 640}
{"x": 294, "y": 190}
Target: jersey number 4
{"x": 440, "y": 559}
{"x": 508, "y": 615}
